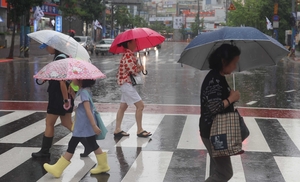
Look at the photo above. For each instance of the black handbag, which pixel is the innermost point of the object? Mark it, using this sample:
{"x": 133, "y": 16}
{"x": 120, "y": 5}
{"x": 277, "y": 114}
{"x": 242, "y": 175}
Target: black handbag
{"x": 244, "y": 129}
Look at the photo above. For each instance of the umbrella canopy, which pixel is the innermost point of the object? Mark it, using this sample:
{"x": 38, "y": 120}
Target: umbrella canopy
{"x": 257, "y": 49}
{"x": 61, "y": 42}
{"x": 145, "y": 38}
{"x": 69, "y": 69}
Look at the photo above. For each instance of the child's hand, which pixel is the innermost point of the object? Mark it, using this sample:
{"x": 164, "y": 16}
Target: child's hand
{"x": 96, "y": 130}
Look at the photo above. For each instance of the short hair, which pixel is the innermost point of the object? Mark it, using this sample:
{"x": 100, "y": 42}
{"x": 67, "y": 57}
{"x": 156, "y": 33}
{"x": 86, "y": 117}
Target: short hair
{"x": 87, "y": 83}
{"x": 225, "y": 52}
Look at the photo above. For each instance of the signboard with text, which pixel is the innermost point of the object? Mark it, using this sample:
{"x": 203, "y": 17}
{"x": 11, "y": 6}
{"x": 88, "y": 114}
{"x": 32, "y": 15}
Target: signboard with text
{"x": 58, "y": 23}
{"x": 3, "y": 4}
{"x": 49, "y": 9}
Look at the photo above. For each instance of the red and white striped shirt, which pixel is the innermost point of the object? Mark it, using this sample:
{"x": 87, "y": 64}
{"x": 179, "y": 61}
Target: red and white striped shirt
{"x": 128, "y": 65}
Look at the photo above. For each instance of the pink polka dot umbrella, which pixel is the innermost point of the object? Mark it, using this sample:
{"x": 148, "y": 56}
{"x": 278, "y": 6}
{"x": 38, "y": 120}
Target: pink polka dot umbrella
{"x": 69, "y": 69}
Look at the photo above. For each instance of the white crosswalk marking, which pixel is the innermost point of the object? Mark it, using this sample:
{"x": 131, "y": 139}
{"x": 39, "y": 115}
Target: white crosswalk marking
{"x": 149, "y": 165}
{"x": 154, "y": 165}
{"x": 190, "y": 137}
{"x": 150, "y": 123}
{"x": 256, "y": 141}
{"x": 292, "y": 128}
{"x": 238, "y": 171}
{"x": 289, "y": 168}
{"x": 8, "y": 118}
{"x": 35, "y": 129}
{"x": 14, "y": 157}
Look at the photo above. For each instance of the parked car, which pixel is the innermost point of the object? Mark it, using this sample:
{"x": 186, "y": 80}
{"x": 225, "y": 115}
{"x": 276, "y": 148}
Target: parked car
{"x": 103, "y": 46}
{"x": 86, "y": 42}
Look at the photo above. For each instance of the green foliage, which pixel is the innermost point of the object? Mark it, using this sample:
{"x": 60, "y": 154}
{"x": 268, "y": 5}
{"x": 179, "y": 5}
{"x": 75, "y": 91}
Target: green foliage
{"x": 90, "y": 10}
{"x": 254, "y": 14}
{"x": 197, "y": 26}
{"x": 69, "y": 7}
{"x": 139, "y": 21}
{"x": 123, "y": 17}
{"x": 157, "y": 26}
{"x": 17, "y": 8}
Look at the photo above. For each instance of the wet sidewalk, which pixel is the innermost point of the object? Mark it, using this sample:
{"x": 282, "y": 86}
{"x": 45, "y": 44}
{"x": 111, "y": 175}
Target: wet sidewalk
{"x": 34, "y": 51}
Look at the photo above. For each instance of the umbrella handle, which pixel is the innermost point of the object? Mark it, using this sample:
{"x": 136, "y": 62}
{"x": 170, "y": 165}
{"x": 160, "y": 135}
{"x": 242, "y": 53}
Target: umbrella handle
{"x": 145, "y": 73}
{"x": 37, "y": 82}
{"x": 67, "y": 108}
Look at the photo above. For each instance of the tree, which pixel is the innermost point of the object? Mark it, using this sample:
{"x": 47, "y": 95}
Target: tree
{"x": 16, "y": 9}
{"x": 197, "y": 26}
{"x": 90, "y": 10}
{"x": 69, "y": 9}
{"x": 254, "y": 12}
{"x": 139, "y": 21}
{"x": 183, "y": 32}
{"x": 157, "y": 26}
{"x": 123, "y": 17}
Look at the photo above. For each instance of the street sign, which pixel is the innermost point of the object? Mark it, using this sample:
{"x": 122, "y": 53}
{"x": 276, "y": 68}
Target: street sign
{"x": 275, "y": 24}
{"x": 231, "y": 7}
{"x": 275, "y": 8}
{"x": 58, "y": 23}
{"x": 275, "y": 18}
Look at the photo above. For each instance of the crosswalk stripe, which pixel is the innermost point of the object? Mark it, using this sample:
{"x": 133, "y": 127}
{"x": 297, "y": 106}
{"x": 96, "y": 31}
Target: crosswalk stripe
{"x": 23, "y": 135}
{"x": 190, "y": 137}
{"x": 238, "y": 170}
{"x": 237, "y": 166}
{"x": 292, "y": 128}
{"x": 14, "y": 157}
{"x": 174, "y": 136}
{"x": 289, "y": 168}
{"x": 8, "y": 118}
{"x": 107, "y": 119}
{"x": 150, "y": 123}
{"x": 149, "y": 165}
{"x": 256, "y": 140}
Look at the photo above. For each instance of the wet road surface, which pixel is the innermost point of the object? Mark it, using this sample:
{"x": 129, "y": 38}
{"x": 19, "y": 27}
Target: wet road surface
{"x": 175, "y": 152}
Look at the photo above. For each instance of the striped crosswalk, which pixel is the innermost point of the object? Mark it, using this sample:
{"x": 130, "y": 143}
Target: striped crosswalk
{"x": 175, "y": 152}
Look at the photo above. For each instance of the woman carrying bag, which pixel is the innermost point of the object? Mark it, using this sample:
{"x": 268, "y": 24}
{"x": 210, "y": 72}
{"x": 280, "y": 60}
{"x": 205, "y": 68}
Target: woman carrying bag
{"x": 129, "y": 66}
{"x": 218, "y": 98}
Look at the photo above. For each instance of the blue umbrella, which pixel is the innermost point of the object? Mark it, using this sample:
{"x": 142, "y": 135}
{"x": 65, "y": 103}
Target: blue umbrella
{"x": 257, "y": 48}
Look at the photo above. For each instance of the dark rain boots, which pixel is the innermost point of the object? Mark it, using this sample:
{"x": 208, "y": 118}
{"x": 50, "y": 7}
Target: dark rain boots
{"x": 87, "y": 148}
{"x": 44, "y": 152}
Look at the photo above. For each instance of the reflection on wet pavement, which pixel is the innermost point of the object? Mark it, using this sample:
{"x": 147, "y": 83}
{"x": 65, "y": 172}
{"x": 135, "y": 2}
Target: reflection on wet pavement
{"x": 167, "y": 82}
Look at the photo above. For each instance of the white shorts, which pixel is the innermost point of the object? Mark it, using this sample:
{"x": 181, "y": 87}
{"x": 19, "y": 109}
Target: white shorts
{"x": 129, "y": 94}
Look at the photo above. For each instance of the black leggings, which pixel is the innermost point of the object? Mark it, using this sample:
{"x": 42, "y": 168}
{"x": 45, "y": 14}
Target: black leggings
{"x": 75, "y": 140}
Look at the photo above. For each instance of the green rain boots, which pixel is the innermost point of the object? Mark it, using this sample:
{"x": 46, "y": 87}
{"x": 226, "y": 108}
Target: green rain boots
{"x": 102, "y": 165}
{"x": 57, "y": 168}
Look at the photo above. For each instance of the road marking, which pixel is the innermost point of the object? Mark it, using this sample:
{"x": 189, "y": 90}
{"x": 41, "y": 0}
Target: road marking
{"x": 14, "y": 157}
{"x": 149, "y": 165}
{"x": 271, "y": 95}
{"x": 190, "y": 137}
{"x": 288, "y": 91}
{"x": 251, "y": 103}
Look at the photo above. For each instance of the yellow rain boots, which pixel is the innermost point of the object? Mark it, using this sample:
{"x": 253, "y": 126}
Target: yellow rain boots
{"x": 102, "y": 164}
{"x": 57, "y": 169}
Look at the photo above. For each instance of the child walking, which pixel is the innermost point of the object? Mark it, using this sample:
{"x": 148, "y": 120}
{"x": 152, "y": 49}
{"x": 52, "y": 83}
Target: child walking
{"x": 85, "y": 127}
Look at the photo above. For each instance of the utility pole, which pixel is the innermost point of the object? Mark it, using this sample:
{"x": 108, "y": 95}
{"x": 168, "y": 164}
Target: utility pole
{"x": 112, "y": 22}
{"x": 104, "y": 19}
{"x": 293, "y": 27}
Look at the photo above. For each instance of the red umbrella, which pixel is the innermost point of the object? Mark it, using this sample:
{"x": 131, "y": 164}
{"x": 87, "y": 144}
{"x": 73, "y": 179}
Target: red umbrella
{"x": 145, "y": 38}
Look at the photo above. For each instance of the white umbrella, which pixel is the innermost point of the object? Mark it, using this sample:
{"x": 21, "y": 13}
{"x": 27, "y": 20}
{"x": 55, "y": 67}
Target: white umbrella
{"x": 61, "y": 42}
